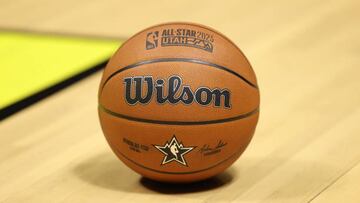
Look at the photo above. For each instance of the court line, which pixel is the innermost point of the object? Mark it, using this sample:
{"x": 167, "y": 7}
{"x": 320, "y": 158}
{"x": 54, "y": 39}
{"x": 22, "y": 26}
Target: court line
{"x": 26, "y": 102}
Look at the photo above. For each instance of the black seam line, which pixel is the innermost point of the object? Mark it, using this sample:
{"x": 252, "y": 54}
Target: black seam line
{"x": 189, "y": 60}
{"x": 242, "y": 116}
{"x": 178, "y": 173}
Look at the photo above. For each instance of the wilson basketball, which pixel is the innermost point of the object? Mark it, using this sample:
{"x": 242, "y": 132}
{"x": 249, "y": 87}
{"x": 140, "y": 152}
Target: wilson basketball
{"x": 178, "y": 102}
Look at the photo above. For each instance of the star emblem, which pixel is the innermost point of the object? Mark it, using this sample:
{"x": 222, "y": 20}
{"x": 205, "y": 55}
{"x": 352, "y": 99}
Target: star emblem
{"x": 174, "y": 151}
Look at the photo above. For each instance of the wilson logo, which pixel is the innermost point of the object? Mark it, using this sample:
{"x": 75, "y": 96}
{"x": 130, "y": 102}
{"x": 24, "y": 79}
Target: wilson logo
{"x": 141, "y": 89}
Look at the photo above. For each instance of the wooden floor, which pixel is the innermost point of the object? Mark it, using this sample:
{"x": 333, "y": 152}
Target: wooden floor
{"x": 307, "y": 145}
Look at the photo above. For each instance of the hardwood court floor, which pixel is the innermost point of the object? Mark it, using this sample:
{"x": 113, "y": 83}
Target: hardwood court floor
{"x": 305, "y": 149}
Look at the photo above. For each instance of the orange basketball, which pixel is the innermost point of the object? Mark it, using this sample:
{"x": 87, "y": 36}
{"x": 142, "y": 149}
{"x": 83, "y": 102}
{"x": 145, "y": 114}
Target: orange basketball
{"x": 178, "y": 102}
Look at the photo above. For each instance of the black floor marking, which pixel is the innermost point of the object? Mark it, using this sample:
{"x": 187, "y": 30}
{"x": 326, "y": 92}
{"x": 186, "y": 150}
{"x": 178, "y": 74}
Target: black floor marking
{"x": 29, "y": 31}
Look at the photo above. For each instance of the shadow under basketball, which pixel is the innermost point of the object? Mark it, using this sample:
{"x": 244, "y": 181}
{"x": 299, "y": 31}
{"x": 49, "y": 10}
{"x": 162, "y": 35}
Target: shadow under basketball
{"x": 199, "y": 186}
{"x": 106, "y": 171}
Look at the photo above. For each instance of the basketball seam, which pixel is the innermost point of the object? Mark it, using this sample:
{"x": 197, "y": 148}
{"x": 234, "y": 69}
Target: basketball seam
{"x": 143, "y": 120}
{"x": 188, "y": 60}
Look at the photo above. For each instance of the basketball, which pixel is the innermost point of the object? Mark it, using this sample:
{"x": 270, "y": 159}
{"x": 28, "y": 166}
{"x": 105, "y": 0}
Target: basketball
{"x": 178, "y": 102}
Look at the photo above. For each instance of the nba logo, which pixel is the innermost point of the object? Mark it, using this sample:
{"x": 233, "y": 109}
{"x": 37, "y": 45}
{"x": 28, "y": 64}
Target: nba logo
{"x": 152, "y": 40}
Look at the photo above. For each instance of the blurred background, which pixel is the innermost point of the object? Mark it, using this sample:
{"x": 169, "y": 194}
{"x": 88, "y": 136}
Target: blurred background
{"x": 292, "y": 37}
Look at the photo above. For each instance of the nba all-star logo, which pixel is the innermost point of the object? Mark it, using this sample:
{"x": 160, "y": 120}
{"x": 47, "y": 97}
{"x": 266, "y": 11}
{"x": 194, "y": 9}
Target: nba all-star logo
{"x": 174, "y": 151}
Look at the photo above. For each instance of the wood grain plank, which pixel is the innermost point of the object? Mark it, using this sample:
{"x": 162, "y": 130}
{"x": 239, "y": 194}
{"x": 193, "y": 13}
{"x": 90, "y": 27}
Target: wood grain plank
{"x": 344, "y": 189}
